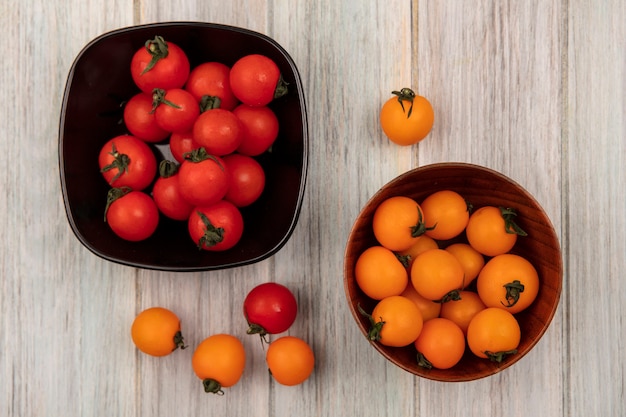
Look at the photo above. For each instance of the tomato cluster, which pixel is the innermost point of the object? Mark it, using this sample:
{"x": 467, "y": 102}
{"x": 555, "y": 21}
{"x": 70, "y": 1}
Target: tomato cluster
{"x": 216, "y": 120}
{"x": 219, "y": 360}
{"x": 444, "y": 278}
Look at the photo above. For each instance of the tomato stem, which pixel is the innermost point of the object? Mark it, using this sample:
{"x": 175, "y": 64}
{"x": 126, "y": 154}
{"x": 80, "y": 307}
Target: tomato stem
{"x": 199, "y": 155}
{"x": 156, "y": 47}
{"x": 499, "y": 356}
{"x": 179, "y": 341}
{"x": 257, "y": 329}
{"x": 209, "y": 103}
{"x": 167, "y": 168}
{"x": 420, "y": 228}
{"x": 114, "y": 194}
{"x": 212, "y": 235}
{"x": 212, "y": 386}
{"x": 513, "y": 291}
{"x": 376, "y": 327}
{"x": 405, "y": 94}
{"x": 509, "y": 214}
{"x": 453, "y": 295}
{"x": 423, "y": 362}
{"x": 158, "y": 98}
{"x": 282, "y": 87}
{"x": 121, "y": 161}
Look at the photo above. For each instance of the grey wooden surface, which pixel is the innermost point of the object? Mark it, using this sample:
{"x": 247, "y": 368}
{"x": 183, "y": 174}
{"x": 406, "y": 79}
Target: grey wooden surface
{"x": 535, "y": 89}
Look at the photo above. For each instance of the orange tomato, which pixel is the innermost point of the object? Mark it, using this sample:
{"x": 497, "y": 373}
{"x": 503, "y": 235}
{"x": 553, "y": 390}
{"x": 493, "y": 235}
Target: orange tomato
{"x": 421, "y": 244}
{"x": 463, "y": 310}
{"x": 471, "y": 260}
{"x": 379, "y": 273}
{"x": 219, "y": 361}
{"x": 290, "y": 360}
{"x": 406, "y": 118}
{"x": 428, "y": 308}
{"x": 441, "y": 344}
{"x": 509, "y": 282}
{"x": 156, "y": 332}
{"x": 396, "y": 321}
{"x": 436, "y": 273}
{"x": 493, "y": 333}
{"x": 492, "y": 231}
{"x": 397, "y": 223}
{"x": 446, "y": 214}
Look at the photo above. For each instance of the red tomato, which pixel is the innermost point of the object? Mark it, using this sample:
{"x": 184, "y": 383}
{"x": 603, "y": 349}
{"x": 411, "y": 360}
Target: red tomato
{"x": 139, "y": 119}
{"x": 126, "y": 161}
{"x": 203, "y": 178}
{"x": 219, "y": 131}
{"x": 256, "y": 80}
{"x": 269, "y": 308}
{"x": 216, "y": 227}
{"x": 247, "y": 179}
{"x": 260, "y": 129}
{"x": 159, "y": 64}
{"x": 212, "y": 79}
{"x": 132, "y": 215}
{"x": 166, "y": 193}
{"x": 175, "y": 110}
{"x": 182, "y": 143}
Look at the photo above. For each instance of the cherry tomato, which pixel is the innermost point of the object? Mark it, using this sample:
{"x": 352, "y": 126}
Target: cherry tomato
{"x": 132, "y": 215}
{"x": 175, "y": 110}
{"x": 216, "y": 227}
{"x": 406, "y": 118}
{"x": 126, "y": 161}
{"x": 471, "y": 260}
{"x": 219, "y": 131}
{"x": 166, "y": 193}
{"x": 159, "y": 64}
{"x": 203, "y": 178}
{"x": 212, "y": 79}
{"x": 269, "y": 308}
{"x": 379, "y": 273}
{"x": 437, "y": 275}
{"x": 219, "y": 361}
{"x": 259, "y": 129}
{"x": 255, "y": 80}
{"x": 493, "y": 333}
{"x": 446, "y": 214}
{"x": 247, "y": 179}
{"x": 290, "y": 360}
{"x": 462, "y": 310}
{"x": 492, "y": 230}
{"x": 398, "y": 223}
{"x": 441, "y": 344}
{"x": 140, "y": 121}
{"x": 509, "y": 282}
{"x": 156, "y": 332}
{"x": 182, "y": 143}
{"x": 395, "y": 321}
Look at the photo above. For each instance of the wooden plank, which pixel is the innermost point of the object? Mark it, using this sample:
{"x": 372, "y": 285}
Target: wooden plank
{"x": 595, "y": 154}
{"x": 493, "y": 74}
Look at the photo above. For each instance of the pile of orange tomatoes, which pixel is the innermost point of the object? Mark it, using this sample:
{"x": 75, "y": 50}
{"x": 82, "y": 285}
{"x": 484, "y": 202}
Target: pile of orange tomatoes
{"x": 445, "y": 279}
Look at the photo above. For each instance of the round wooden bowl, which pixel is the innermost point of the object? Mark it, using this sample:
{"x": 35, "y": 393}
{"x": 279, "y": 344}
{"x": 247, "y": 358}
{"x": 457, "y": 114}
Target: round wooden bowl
{"x": 480, "y": 186}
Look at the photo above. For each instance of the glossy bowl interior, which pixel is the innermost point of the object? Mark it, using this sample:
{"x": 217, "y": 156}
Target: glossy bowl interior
{"x": 480, "y": 186}
{"x": 99, "y": 82}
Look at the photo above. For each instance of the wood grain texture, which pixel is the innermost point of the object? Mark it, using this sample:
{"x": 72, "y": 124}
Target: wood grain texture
{"x": 534, "y": 89}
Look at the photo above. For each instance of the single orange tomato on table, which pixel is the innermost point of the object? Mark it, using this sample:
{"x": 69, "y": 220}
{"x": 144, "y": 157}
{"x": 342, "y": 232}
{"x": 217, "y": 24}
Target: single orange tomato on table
{"x": 219, "y": 361}
{"x": 406, "y": 118}
{"x": 290, "y": 360}
{"x": 156, "y": 332}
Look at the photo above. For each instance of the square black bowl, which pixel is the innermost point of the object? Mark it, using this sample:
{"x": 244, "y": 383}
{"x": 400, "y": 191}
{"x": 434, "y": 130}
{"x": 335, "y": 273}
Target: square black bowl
{"x": 99, "y": 82}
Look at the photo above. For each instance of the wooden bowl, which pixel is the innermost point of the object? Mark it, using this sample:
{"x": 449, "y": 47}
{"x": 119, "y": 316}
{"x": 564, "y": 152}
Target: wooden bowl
{"x": 480, "y": 186}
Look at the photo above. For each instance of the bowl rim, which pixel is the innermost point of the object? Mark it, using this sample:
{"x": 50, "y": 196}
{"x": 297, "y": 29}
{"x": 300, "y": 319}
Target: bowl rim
{"x": 304, "y": 157}
{"x": 464, "y": 165}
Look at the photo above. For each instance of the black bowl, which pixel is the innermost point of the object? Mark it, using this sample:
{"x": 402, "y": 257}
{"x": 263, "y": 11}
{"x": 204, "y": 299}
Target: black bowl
{"x": 99, "y": 82}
